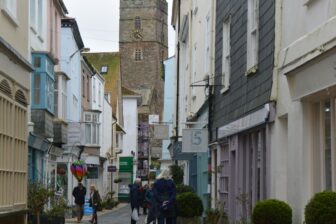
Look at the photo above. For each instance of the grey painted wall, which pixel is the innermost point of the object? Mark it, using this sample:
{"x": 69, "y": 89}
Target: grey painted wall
{"x": 246, "y": 93}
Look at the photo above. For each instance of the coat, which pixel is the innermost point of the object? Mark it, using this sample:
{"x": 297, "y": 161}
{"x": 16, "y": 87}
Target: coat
{"x": 164, "y": 198}
{"x": 135, "y": 196}
{"x": 79, "y": 195}
{"x": 95, "y": 199}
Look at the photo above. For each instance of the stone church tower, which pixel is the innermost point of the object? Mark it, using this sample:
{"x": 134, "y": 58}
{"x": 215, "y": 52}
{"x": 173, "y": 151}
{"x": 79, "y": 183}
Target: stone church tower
{"x": 143, "y": 45}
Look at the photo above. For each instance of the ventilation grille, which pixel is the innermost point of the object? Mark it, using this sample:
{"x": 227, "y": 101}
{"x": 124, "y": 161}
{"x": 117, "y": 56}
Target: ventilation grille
{"x": 5, "y": 88}
{"x": 20, "y": 98}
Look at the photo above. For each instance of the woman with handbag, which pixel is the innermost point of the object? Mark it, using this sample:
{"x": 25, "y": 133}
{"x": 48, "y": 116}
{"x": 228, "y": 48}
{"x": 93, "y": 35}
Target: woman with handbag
{"x": 95, "y": 202}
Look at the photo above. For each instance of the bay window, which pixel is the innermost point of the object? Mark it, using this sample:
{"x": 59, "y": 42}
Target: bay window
{"x": 91, "y": 128}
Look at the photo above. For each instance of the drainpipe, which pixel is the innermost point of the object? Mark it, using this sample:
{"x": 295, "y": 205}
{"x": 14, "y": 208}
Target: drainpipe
{"x": 178, "y": 76}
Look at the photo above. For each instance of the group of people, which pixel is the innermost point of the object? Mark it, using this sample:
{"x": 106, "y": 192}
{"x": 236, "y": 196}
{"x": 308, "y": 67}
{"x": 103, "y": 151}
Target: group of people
{"x": 79, "y": 194}
{"x": 159, "y": 198}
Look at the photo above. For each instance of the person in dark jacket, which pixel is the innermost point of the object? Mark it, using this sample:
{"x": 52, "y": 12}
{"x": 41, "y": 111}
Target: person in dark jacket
{"x": 164, "y": 195}
{"x": 135, "y": 197}
{"x": 94, "y": 202}
{"x": 79, "y": 193}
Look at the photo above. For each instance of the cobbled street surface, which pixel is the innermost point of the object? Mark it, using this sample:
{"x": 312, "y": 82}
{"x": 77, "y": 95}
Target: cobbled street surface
{"x": 121, "y": 215}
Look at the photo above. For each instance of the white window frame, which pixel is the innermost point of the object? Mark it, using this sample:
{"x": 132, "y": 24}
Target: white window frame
{"x": 226, "y": 57}
{"x": 94, "y": 90}
{"x": 64, "y": 96}
{"x": 252, "y": 36}
{"x": 194, "y": 72}
{"x": 99, "y": 95}
{"x": 91, "y": 128}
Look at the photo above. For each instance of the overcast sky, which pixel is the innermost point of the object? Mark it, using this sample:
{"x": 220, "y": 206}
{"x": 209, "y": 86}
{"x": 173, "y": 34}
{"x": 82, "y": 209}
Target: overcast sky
{"x": 98, "y": 22}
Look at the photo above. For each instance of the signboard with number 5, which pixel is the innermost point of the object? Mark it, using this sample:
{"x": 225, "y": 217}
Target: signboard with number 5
{"x": 194, "y": 140}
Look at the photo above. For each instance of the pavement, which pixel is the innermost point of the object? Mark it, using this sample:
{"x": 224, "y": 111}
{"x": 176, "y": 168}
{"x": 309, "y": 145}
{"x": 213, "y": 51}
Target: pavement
{"x": 119, "y": 215}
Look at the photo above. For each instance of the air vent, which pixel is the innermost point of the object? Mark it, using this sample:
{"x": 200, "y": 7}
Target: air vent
{"x": 20, "y": 98}
{"x": 5, "y": 88}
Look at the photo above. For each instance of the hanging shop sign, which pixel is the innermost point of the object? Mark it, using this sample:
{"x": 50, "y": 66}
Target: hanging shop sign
{"x": 194, "y": 140}
{"x": 161, "y": 132}
{"x": 111, "y": 169}
{"x": 153, "y": 119}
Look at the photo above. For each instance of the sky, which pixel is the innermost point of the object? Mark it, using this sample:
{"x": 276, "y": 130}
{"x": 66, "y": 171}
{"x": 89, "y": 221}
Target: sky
{"x": 98, "y": 21}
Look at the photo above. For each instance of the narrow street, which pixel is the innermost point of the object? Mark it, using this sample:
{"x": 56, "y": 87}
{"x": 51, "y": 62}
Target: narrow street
{"x": 121, "y": 215}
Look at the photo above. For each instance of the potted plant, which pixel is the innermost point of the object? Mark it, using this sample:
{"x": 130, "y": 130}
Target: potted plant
{"x": 38, "y": 196}
{"x": 212, "y": 216}
{"x": 189, "y": 208}
{"x": 321, "y": 208}
{"x": 108, "y": 202}
{"x": 56, "y": 215}
{"x": 177, "y": 174}
{"x": 272, "y": 211}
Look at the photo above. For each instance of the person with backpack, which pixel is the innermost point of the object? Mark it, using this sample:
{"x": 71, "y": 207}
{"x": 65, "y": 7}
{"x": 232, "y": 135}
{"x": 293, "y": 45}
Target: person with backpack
{"x": 164, "y": 198}
{"x": 95, "y": 203}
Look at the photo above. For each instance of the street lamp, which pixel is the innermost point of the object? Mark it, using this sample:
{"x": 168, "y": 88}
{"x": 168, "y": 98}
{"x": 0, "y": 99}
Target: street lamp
{"x": 84, "y": 49}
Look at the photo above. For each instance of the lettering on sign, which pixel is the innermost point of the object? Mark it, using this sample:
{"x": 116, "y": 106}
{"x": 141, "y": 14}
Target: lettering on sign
{"x": 195, "y": 140}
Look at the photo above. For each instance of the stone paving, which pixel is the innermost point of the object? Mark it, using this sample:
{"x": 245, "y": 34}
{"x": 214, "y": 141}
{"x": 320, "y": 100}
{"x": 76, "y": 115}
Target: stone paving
{"x": 119, "y": 215}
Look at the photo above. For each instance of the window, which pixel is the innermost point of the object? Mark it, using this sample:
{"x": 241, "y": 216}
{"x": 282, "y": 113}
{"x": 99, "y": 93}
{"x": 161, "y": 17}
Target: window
{"x": 37, "y": 89}
{"x": 88, "y": 88}
{"x": 226, "y": 60}
{"x": 99, "y": 95}
{"x": 50, "y": 93}
{"x": 324, "y": 147}
{"x": 138, "y": 55}
{"x": 33, "y": 13}
{"x": 103, "y": 69}
{"x": 83, "y": 86}
{"x": 64, "y": 97}
{"x": 40, "y": 17}
{"x": 137, "y": 23}
{"x": 92, "y": 126}
{"x": 94, "y": 89}
{"x": 252, "y": 35}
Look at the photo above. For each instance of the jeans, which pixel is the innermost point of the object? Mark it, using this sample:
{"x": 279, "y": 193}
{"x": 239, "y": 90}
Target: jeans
{"x": 162, "y": 220}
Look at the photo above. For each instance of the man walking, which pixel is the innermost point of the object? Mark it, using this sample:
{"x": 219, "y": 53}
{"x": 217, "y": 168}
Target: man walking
{"x": 79, "y": 193}
{"x": 135, "y": 198}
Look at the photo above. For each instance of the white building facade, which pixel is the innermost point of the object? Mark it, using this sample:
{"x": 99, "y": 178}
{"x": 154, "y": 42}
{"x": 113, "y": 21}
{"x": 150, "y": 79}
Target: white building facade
{"x": 303, "y": 154}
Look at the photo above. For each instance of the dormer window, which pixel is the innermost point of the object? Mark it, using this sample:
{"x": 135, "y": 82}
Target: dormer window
{"x": 104, "y": 69}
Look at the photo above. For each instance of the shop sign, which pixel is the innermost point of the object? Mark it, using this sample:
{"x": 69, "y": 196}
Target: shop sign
{"x": 161, "y": 132}
{"x": 111, "y": 169}
{"x": 194, "y": 140}
{"x": 126, "y": 164}
{"x": 153, "y": 119}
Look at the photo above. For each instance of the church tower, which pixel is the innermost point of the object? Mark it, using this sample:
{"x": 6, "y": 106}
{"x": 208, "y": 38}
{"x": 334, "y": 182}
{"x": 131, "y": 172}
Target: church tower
{"x": 143, "y": 46}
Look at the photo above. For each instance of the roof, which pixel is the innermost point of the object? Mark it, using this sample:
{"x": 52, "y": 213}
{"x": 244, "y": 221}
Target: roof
{"x": 112, "y": 77}
{"x": 63, "y": 7}
{"x": 128, "y": 92}
{"x": 72, "y": 23}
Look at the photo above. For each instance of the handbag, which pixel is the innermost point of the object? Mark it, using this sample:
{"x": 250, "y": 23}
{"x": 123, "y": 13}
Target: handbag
{"x": 135, "y": 215}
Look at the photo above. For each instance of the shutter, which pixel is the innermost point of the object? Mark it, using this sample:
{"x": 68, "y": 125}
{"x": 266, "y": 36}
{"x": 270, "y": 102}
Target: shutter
{"x": 5, "y": 88}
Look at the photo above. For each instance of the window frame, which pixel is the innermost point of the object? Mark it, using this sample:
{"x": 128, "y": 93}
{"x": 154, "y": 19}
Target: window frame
{"x": 226, "y": 55}
{"x": 252, "y": 42}
{"x": 137, "y": 23}
{"x": 138, "y": 54}
{"x": 10, "y": 11}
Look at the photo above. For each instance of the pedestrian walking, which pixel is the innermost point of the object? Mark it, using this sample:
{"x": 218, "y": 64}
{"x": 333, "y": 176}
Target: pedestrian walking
{"x": 95, "y": 203}
{"x": 151, "y": 217}
{"x": 79, "y": 193}
{"x": 135, "y": 198}
{"x": 164, "y": 195}
{"x": 143, "y": 198}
